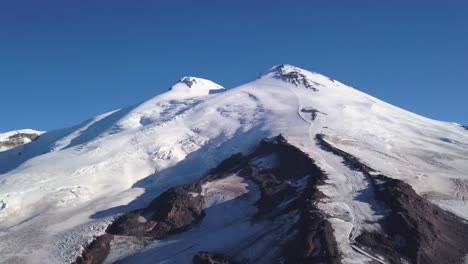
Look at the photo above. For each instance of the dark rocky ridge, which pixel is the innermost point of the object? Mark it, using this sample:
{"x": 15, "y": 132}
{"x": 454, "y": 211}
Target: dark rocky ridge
{"x": 169, "y": 213}
{"x": 188, "y": 81}
{"x": 426, "y": 233}
{"x": 312, "y": 225}
{"x": 415, "y": 229}
{"x": 178, "y": 209}
{"x": 294, "y": 77}
{"x": 465, "y": 127}
{"x": 313, "y": 112}
{"x": 352, "y": 162}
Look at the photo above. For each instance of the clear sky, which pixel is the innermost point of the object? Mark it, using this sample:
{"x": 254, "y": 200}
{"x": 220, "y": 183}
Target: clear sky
{"x": 62, "y": 62}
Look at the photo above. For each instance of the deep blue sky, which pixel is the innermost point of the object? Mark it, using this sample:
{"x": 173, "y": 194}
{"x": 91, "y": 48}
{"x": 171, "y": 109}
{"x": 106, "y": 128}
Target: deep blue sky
{"x": 62, "y": 62}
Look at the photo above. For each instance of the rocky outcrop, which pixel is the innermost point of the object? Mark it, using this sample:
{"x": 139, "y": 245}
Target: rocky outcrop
{"x": 275, "y": 182}
{"x": 188, "y": 81}
{"x": 97, "y": 250}
{"x": 314, "y": 243}
{"x": 415, "y": 230}
{"x": 276, "y": 187}
{"x": 20, "y": 136}
{"x": 288, "y": 74}
{"x": 352, "y": 162}
{"x": 17, "y": 139}
{"x": 182, "y": 207}
{"x": 313, "y": 112}
{"x": 171, "y": 212}
{"x": 420, "y": 230}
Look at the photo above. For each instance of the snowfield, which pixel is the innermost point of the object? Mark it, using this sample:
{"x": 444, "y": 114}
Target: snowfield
{"x": 60, "y": 191}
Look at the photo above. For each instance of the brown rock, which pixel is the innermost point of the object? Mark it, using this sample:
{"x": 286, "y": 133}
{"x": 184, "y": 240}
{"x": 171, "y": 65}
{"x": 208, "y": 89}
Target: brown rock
{"x": 97, "y": 251}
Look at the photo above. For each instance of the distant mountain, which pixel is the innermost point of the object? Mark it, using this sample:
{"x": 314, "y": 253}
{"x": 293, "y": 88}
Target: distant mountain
{"x": 12, "y": 139}
{"x": 292, "y": 167}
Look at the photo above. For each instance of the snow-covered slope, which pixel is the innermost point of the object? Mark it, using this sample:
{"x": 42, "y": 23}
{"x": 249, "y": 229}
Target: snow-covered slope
{"x": 12, "y": 139}
{"x": 60, "y": 191}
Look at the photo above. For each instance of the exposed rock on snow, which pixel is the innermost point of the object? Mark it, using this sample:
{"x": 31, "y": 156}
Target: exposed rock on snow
{"x": 415, "y": 230}
{"x": 12, "y": 139}
{"x": 351, "y": 161}
{"x": 286, "y": 188}
{"x": 313, "y": 112}
{"x": 294, "y": 75}
{"x": 169, "y": 213}
{"x": 3, "y": 204}
{"x": 418, "y": 229}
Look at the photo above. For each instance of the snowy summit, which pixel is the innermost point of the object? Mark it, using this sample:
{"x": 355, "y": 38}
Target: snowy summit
{"x": 196, "y": 86}
{"x": 12, "y": 139}
{"x": 293, "y": 167}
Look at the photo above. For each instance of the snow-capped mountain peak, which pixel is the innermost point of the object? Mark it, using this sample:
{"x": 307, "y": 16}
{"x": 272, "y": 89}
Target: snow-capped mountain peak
{"x": 12, "y": 139}
{"x": 189, "y": 174}
{"x": 196, "y": 86}
{"x": 297, "y": 76}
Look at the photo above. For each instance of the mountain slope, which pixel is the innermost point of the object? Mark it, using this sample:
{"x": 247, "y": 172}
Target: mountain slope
{"x": 69, "y": 185}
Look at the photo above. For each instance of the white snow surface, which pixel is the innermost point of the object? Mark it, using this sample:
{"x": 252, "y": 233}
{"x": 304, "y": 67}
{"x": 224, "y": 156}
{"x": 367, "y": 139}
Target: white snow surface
{"x": 64, "y": 188}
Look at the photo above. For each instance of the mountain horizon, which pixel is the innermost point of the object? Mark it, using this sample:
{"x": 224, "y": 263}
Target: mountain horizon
{"x": 292, "y": 167}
